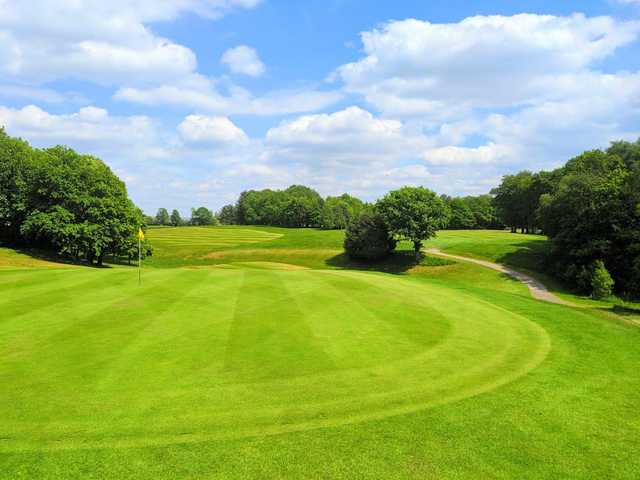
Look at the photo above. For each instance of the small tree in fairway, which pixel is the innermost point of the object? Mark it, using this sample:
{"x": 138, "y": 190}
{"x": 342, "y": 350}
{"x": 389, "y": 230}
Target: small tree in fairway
{"x": 413, "y": 213}
{"x": 367, "y": 237}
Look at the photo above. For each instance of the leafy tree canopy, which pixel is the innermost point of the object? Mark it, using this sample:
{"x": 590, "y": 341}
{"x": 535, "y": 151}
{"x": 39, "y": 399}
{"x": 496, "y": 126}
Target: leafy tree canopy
{"x": 58, "y": 199}
{"x": 413, "y": 213}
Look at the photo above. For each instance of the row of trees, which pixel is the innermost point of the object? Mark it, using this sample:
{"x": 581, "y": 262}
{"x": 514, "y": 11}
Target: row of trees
{"x": 297, "y": 206}
{"x": 199, "y": 216}
{"x": 472, "y": 212}
{"x": 300, "y": 206}
{"x": 60, "y": 200}
{"x": 590, "y": 209}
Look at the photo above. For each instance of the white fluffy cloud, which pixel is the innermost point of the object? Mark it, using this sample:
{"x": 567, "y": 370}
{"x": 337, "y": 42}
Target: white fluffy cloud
{"x": 243, "y": 60}
{"x": 417, "y": 67}
{"x": 105, "y": 42}
{"x": 204, "y": 94}
{"x": 349, "y": 136}
{"x": 88, "y": 126}
{"x": 483, "y": 155}
{"x": 211, "y": 131}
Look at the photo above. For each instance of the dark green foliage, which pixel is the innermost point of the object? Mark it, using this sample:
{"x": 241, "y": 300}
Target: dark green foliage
{"x": 472, "y": 212}
{"x": 60, "y": 200}
{"x": 162, "y": 217}
{"x": 337, "y": 212}
{"x": 590, "y": 209}
{"x": 517, "y": 199}
{"x": 297, "y": 206}
{"x": 228, "y": 215}
{"x": 461, "y": 216}
{"x": 414, "y": 214}
{"x": 601, "y": 281}
{"x": 368, "y": 237}
{"x": 202, "y": 216}
{"x": 591, "y": 216}
{"x": 176, "y": 219}
{"x": 484, "y": 211}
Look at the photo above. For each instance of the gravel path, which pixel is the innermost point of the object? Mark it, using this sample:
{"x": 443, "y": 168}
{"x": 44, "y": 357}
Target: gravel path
{"x": 537, "y": 289}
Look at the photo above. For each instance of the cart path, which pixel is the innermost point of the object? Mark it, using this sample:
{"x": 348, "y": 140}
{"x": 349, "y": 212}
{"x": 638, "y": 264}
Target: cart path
{"x": 537, "y": 289}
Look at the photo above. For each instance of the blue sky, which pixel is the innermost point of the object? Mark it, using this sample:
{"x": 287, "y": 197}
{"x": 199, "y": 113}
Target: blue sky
{"x": 193, "y": 101}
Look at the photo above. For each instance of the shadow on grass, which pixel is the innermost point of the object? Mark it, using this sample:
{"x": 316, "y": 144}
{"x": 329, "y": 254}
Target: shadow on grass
{"x": 531, "y": 255}
{"x": 398, "y": 262}
{"x": 625, "y": 311}
{"x": 48, "y": 256}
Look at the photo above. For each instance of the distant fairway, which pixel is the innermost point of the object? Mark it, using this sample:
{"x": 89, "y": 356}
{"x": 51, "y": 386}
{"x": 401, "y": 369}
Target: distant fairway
{"x": 263, "y": 354}
{"x": 198, "y": 238}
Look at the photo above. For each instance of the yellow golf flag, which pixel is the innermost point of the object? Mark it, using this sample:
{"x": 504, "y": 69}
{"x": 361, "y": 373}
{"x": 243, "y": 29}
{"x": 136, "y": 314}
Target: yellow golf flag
{"x": 140, "y": 234}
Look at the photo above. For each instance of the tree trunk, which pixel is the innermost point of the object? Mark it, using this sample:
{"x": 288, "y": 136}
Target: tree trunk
{"x": 100, "y": 257}
{"x": 416, "y": 248}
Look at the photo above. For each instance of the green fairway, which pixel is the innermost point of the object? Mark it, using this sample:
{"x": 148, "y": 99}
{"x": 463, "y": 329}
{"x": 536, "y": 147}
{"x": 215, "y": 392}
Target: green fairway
{"x": 263, "y": 353}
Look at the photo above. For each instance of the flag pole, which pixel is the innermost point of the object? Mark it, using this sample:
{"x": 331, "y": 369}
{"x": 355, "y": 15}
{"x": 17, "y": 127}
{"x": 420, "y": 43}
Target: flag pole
{"x": 139, "y": 261}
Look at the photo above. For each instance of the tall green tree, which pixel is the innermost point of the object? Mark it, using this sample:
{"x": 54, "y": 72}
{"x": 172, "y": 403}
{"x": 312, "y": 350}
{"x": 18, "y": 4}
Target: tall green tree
{"x": 414, "y": 214}
{"x": 368, "y": 237}
{"x": 461, "y": 216}
{"x": 297, "y": 206}
{"x": 337, "y": 212}
{"x": 162, "y": 217}
{"x": 58, "y": 199}
{"x": 228, "y": 215}
{"x": 591, "y": 217}
{"x": 176, "y": 219}
{"x": 202, "y": 216}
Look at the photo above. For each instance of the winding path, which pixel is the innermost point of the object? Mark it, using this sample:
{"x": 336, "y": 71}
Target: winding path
{"x": 537, "y": 289}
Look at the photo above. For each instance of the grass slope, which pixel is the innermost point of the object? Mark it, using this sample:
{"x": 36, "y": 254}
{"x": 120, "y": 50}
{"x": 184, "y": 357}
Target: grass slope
{"x": 267, "y": 355}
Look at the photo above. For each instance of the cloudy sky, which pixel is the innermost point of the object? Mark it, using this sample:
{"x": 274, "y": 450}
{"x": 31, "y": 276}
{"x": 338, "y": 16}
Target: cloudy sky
{"x": 193, "y": 101}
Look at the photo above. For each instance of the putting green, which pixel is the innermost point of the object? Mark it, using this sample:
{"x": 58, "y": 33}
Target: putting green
{"x": 97, "y": 361}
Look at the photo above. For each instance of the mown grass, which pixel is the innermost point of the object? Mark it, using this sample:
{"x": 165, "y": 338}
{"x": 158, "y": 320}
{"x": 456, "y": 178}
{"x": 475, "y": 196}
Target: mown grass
{"x": 235, "y": 366}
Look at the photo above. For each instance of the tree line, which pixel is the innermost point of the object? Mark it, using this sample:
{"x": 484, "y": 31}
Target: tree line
{"x": 199, "y": 216}
{"x": 301, "y": 206}
{"x": 57, "y": 199}
{"x": 590, "y": 210}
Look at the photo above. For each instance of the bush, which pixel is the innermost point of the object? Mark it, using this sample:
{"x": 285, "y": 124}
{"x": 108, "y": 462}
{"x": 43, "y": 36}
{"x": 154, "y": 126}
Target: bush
{"x": 368, "y": 237}
{"x": 601, "y": 281}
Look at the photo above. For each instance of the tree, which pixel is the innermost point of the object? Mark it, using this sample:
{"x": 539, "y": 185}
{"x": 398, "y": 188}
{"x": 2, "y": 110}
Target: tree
{"x": 601, "y": 281}
{"x": 297, "y": 206}
{"x": 17, "y": 166}
{"x": 337, "y": 212}
{"x": 367, "y": 237}
{"x": 227, "y": 215}
{"x": 484, "y": 211}
{"x": 162, "y": 217}
{"x": 461, "y": 216}
{"x": 202, "y": 216}
{"x": 592, "y": 215}
{"x": 176, "y": 219}
{"x": 413, "y": 213}
{"x": 60, "y": 200}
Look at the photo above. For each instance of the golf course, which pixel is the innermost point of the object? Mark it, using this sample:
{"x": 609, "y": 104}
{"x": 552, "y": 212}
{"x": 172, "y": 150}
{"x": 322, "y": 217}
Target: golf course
{"x": 265, "y": 352}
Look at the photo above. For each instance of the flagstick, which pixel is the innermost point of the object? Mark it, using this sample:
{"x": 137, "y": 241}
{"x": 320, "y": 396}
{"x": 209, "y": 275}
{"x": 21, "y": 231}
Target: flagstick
{"x": 139, "y": 263}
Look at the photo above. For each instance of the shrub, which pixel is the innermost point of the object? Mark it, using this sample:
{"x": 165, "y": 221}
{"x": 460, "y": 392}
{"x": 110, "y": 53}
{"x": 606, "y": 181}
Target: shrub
{"x": 601, "y": 281}
{"x": 367, "y": 237}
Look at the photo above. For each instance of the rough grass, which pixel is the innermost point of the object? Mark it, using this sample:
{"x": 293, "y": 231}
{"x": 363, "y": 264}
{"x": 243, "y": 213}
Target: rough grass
{"x": 240, "y": 368}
